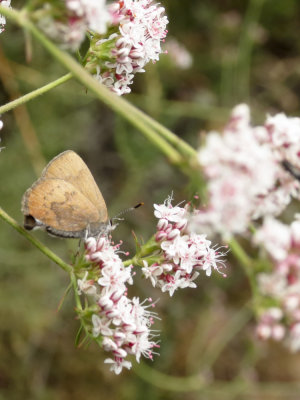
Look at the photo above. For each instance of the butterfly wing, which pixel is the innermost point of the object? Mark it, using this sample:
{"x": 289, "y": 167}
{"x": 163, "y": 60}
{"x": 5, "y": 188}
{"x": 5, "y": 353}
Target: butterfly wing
{"x": 71, "y": 168}
{"x": 61, "y": 208}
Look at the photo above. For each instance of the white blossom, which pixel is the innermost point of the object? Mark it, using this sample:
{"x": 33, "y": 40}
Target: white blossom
{"x": 141, "y": 29}
{"x": 124, "y": 323}
{"x": 184, "y": 254}
{"x": 243, "y": 167}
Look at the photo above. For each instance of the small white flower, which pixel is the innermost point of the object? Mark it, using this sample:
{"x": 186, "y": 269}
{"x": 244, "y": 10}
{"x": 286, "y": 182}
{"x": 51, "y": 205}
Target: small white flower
{"x": 118, "y": 364}
{"x": 86, "y": 287}
{"x": 275, "y": 237}
{"x": 101, "y": 326}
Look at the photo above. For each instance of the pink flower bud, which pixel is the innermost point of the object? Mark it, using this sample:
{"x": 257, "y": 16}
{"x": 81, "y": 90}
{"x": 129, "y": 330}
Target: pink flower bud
{"x": 119, "y": 336}
{"x": 105, "y": 303}
{"x": 173, "y": 234}
{"x": 109, "y": 345}
{"x": 90, "y": 244}
{"x": 263, "y": 331}
{"x": 115, "y": 297}
{"x": 120, "y": 353}
{"x": 278, "y": 332}
{"x": 162, "y": 224}
{"x": 112, "y": 313}
{"x": 160, "y": 236}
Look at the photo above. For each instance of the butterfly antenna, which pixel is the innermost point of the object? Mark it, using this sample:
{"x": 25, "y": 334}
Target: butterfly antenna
{"x": 127, "y": 210}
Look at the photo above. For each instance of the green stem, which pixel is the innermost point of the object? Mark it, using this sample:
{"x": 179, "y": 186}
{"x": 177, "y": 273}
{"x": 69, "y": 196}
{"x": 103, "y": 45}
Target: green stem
{"x": 66, "y": 267}
{"x": 186, "y": 108}
{"x": 74, "y": 284}
{"x": 35, "y": 93}
{"x": 245, "y": 261}
{"x": 245, "y": 48}
{"x": 167, "y": 382}
{"x": 240, "y": 253}
{"x": 131, "y": 261}
{"x": 217, "y": 388}
{"x": 118, "y": 104}
{"x": 180, "y": 144}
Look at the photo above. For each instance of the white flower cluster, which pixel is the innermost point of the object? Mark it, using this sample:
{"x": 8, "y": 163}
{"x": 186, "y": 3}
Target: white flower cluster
{"x": 123, "y": 323}
{"x": 142, "y": 27}
{"x": 183, "y": 254}
{"x": 3, "y": 3}
{"x": 243, "y": 167}
{"x": 80, "y": 16}
{"x": 281, "y": 320}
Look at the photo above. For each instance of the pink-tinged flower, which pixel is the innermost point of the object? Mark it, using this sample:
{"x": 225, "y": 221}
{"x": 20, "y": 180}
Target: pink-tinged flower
{"x": 93, "y": 12}
{"x": 270, "y": 325}
{"x": 180, "y": 56}
{"x": 243, "y": 167}
{"x": 281, "y": 286}
{"x": 275, "y": 238}
{"x": 284, "y": 137}
{"x": 69, "y": 24}
{"x": 117, "y": 364}
{"x": 101, "y": 326}
{"x": 86, "y": 286}
{"x": 124, "y": 323}
{"x": 140, "y": 27}
{"x": 4, "y": 3}
{"x": 182, "y": 254}
{"x": 167, "y": 212}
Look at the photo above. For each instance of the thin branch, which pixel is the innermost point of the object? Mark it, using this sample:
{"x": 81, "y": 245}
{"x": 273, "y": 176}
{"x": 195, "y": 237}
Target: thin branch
{"x": 66, "y": 267}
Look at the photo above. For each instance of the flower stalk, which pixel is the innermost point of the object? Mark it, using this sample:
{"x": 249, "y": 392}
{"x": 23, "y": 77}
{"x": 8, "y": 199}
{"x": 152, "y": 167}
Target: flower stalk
{"x": 34, "y": 94}
{"x": 44, "y": 249}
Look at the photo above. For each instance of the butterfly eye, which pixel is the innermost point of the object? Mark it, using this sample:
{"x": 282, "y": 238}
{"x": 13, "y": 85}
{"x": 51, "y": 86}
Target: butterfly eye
{"x": 29, "y": 222}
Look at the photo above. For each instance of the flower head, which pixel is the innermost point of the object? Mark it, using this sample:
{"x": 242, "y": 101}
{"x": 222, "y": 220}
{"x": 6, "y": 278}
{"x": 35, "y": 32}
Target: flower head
{"x": 183, "y": 254}
{"x": 140, "y": 26}
{"x": 124, "y": 323}
{"x": 68, "y": 22}
{"x": 243, "y": 167}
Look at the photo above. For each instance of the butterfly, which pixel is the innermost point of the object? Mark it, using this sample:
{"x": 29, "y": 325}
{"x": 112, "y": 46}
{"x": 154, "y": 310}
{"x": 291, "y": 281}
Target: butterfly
{"x": 65, "y": 200}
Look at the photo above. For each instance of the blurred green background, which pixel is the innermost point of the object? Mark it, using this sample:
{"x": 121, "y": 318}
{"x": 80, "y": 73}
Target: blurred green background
{"x": 242, "y": 51}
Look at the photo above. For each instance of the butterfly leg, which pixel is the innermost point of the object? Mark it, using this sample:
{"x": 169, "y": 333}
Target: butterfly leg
{"x": 78, "y": 250}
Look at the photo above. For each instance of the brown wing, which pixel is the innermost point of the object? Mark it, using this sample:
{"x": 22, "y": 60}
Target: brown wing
{"x": 71, "y": 168}
{"x": 59, "y": 205}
